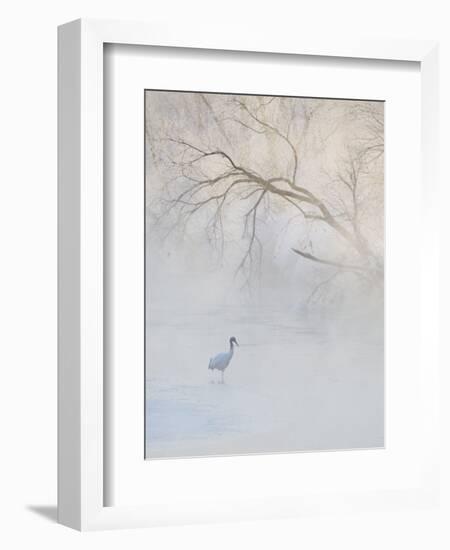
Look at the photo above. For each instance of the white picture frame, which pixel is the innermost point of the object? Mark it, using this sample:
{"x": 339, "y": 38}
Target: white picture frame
{"x": 82, "y": 484}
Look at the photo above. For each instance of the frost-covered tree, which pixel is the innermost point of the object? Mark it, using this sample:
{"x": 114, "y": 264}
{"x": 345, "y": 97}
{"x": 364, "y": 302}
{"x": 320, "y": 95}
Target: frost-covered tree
{"x": 230, "y": 163}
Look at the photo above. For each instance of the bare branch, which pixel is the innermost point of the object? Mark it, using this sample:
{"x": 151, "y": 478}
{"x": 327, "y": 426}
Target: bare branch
{"x": 275, "y": 131}
{"x": 340, "y": 265}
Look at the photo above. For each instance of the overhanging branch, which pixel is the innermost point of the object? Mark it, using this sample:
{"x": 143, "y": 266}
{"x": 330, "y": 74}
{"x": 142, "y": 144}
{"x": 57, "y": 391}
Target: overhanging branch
{"x": 339, "y": 265}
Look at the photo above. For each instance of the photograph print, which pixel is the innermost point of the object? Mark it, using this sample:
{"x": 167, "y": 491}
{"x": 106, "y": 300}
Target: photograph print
{"x": 264, "y": 274}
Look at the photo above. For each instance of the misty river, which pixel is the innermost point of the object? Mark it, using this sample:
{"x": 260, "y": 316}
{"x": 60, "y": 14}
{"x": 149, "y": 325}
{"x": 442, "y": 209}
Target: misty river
{"x": 297, "y": 382}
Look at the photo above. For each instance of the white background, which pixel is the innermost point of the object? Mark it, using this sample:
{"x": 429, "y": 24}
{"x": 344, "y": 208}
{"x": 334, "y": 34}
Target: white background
{"x": 28, "y": 273}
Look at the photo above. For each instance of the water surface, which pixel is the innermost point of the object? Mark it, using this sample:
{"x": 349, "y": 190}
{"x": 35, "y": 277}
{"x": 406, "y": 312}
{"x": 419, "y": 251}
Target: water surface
{"x": 296, "y": 383}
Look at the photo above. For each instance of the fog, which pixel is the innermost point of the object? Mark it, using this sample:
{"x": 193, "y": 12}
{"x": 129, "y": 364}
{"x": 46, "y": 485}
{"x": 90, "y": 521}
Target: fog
{"x": 297, "y": 280}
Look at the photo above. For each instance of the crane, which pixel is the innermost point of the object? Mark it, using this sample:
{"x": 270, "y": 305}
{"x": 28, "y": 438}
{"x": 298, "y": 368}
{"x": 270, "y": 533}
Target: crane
{"x": 222, "y": 360}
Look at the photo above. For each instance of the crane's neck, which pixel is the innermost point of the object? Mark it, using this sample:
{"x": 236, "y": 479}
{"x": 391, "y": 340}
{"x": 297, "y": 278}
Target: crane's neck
{"x": 231, "y": 348}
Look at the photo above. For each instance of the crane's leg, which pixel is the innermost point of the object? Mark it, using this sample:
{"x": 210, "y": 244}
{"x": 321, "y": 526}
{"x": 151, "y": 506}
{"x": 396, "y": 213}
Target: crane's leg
{"x": 221, "y": 380}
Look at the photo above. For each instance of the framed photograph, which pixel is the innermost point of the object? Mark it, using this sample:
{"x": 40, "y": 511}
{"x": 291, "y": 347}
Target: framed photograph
{"x": 247, "y": 275}
{"x": 265, "y": 220}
